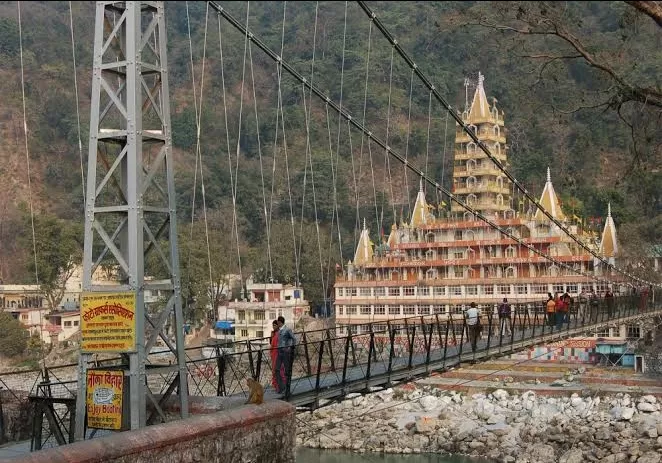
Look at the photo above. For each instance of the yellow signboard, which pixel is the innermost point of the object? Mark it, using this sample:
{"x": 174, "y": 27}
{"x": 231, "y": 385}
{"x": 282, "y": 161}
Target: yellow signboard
{"x": 104, "y": 399}
{"x": 108, "y": 322}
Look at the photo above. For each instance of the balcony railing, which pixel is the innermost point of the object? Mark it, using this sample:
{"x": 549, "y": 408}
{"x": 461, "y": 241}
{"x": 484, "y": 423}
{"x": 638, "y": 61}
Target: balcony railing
{"x": 483, "y": 135}
{"x": 479, "y": 154}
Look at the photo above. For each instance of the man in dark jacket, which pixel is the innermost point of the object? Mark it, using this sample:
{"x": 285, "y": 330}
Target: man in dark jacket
{"x": 504, "y": 318}
{"x": 286, "y": 344}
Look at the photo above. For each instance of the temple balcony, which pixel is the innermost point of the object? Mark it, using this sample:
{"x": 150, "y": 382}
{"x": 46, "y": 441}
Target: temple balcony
{"x": 463, "y": 171}
{"x": 483, "y": 135}
{"x": 461, "y": 155}
{"x": 483, "y": 187}
{"x": 483, "y": 206}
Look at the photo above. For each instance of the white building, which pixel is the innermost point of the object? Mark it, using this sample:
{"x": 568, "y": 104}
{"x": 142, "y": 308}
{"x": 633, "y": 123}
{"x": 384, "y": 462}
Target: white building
{"x": 266, "y": 302}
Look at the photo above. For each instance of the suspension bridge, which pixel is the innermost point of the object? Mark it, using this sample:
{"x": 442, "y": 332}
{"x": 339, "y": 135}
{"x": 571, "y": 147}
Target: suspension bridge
{"x": 321, "y": 143}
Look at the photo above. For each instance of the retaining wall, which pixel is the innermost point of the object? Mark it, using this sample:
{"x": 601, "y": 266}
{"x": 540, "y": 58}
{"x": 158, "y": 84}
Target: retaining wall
{"x": 253, "y": 433}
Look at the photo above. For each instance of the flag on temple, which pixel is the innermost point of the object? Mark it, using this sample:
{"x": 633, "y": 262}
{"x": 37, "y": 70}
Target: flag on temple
{"x": 442, "y": 205}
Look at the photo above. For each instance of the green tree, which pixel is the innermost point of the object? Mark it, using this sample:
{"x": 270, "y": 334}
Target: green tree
{"x": 315, "y": 275}
{"x": 13, "y": 336}
{"x": 56, "y": 252}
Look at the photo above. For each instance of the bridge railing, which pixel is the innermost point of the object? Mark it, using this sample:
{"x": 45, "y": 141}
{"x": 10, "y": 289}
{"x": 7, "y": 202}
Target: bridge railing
{"x": 326, "y": 358}
{"x": 325, "y": 361}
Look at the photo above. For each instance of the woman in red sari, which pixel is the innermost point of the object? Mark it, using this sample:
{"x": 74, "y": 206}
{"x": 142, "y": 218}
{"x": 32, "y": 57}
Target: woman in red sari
{"x": 274, "y": 356}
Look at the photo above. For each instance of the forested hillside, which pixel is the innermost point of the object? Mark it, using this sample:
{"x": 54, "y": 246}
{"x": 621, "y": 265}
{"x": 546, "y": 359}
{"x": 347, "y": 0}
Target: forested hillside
{"x": 579, "y": 83}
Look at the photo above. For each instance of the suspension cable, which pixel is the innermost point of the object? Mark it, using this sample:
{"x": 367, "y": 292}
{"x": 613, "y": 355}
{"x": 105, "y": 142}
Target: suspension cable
{"x": 334, "y": 207}
{"x": 387, "y": 159}
{"x": 307, "y": 114}
{"x": 382, "y": 144}
{"x": 27, "y": 149}
{"x": 195, "y": 170}
{"x": 374, "y": 19}
{"x": 287, "y": 164}
{"x": 312, "y": 181}
{"x": 443, "y": 157}
{"x": 199, "y": 157}
{"x": 235, "y": 225}
{"x": 309, "y": 158}
{"x": 427, "y": 138}
{"x": 259, "y": 151}
{"x": 404, "y": 166}
{"x": 80, "y": 142}
{"x": 335, "y": 171}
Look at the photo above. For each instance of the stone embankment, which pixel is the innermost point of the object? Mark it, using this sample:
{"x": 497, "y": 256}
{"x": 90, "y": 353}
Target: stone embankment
{"x": 498, "y": 426}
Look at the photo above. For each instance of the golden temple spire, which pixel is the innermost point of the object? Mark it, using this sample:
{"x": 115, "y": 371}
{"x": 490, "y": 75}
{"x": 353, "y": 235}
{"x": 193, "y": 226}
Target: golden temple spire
{"x": 609, "y": 243}
{"x": 549, "y": 201}
{"x": 480, "y": 108}
{"x": 420, "y": 216}
{"x": 393, "y": 236}
{"x": 364, "y": 250}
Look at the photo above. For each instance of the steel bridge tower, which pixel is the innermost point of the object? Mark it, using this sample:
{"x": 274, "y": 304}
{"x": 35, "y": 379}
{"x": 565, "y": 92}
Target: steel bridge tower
{"x": 130, "y": 215}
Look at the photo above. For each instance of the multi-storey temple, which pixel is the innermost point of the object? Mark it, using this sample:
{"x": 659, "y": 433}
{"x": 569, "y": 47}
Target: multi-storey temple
{"x": 440, "y": 262}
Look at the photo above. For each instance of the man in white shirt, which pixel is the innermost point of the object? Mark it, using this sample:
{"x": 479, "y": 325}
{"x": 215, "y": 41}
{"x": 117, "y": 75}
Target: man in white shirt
{"x": 473, "y": 324}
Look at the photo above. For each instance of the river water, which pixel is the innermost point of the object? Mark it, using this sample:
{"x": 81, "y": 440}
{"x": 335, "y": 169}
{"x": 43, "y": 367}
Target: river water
{"x": 305, "y": 455}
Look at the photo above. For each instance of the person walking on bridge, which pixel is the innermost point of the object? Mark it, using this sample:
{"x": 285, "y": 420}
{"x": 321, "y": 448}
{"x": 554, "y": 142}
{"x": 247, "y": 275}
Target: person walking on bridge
{"x": 504, "y": 318}
{"x": 472, "y": 316}
{"x": 274, "y": 358}
{"x": 550, "y": 309}
{"x": 286, "y": 344}
{"x": 561, "y": 311}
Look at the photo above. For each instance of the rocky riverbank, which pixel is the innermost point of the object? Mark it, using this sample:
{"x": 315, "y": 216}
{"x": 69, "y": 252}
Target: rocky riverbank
{"x": 522, "y": 428}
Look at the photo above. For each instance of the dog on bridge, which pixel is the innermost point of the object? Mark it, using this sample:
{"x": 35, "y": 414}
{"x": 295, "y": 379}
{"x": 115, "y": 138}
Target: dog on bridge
{"x": 255, "y": 392}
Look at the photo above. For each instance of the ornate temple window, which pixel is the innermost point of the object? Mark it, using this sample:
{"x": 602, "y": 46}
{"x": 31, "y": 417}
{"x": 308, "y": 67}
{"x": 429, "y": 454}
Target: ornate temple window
{"x": 511, "y": 272}
{"x": 468, "y": 216}
{"x": 471, "y": 147}
{"x": 499, "y": 181}
{"x": 471, "y": 165}
{"x": 510, "y": 251}
{"x": 471, "y": 200}
{"x": 471, "y": 182}
{"x": 499, "y": 200}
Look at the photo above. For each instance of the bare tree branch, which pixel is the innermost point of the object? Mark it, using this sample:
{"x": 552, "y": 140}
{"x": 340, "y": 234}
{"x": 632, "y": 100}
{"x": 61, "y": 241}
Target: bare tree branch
{"x": 652, "y": 9}
{"x": 604, "y": 104}
{"x": 548, "y": 27}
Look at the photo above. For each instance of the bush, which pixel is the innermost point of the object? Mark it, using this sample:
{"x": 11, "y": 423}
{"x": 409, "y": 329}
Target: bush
{"x": 13, "y": 336}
